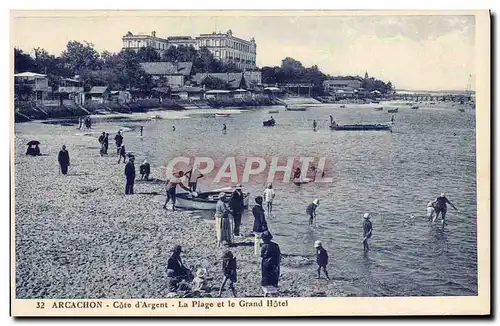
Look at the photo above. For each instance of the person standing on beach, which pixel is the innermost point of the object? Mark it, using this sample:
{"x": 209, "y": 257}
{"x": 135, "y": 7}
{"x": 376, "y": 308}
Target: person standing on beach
{"x": 269, "y": 196}
{"x": 321, "y": 258}
{"x": 63, "y": 159}
{"x": 224, "y": 128}
{"x": 314, "y": 124}
{"x": 237, "y": 206}
{"x": 331, "y": 120}
{"x": 259, "y": 222}
{"x": 367, "y": 231}
{"x": 223, "y": 225}
{"x": 440, "y": 205}
{"x": 118, "y": 141}
{"x": 311, "y": 210}
{"x": 271, "y": 259}
{"x": 101, "y": 141}
{"x": 141, "y": 130}
{"x": 130, "y": 176}
{"x": 80, "y": 123}
{"x": 122, "y": 153}
{"x": 229, "y": 270}
{"x": 106, "y": 143}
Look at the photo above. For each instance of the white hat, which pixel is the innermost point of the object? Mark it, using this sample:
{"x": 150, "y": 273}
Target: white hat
{"x": 367, "y": 215}
{"x": 317, "y": 244}
{"x": 222, "y": 194}
{"x": 316, "y": 202}
{"x": 442, "y": 194}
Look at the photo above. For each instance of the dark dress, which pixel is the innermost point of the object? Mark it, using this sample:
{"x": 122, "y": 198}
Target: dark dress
{"x": 229, "y": 269}
{"x": 105, "y": 142}
{"x": 180, "y": 272}
{"x": 130, "y": 176}
{"x": 259, "y": 223}
{"x": 321, "y": 257}
{"x": 271, "y": 257}
{"x": 63, "y": 159}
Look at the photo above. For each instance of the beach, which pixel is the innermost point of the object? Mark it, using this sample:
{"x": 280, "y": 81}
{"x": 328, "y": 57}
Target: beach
{"x": 78, "y": 236}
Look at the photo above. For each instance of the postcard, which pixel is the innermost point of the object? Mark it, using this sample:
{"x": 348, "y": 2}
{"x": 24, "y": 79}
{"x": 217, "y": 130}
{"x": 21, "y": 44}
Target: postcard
{"x": 250, "y": 163}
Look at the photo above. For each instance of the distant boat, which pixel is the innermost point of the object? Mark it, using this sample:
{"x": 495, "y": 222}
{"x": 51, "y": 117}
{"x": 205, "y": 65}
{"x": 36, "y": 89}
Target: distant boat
{"x": 156, "y": 117}
{"x": 273, "y": 111}
{"x": 342, "y": 106}
{"x": 296, "y": 108}
{"x": 414, "y": 107}
{"x": 461, "y": 110}
{"x": 269, "y": 123}
{"x": 360, "y": 127}
{"x": 393, "y": 110}
{"x": 222, "y": 115}
{"x": 379, "y": 109}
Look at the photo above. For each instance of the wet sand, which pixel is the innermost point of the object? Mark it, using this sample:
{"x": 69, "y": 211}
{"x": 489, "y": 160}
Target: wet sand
{"x": 78, "y": 236}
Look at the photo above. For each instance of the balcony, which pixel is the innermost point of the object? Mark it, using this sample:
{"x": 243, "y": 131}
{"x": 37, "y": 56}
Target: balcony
{"x": 70, "y": 89}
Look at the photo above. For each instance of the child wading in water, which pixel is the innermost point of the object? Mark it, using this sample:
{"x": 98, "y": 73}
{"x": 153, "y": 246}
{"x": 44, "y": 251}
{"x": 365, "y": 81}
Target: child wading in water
{"x": 321, "y": 258}
{"x": 311, "y": 211}
{"x": 229, "y": 270}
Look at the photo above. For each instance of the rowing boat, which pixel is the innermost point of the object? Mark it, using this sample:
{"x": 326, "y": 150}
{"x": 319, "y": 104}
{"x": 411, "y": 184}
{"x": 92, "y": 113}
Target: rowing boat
{"x": 359, "y": 127}
{"x": 204, "y": 200}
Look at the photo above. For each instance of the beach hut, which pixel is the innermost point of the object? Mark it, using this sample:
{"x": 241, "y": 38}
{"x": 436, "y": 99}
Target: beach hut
{"x": 241, "y": 93}
{"x": 99, "y": 94}
{"x": 218, "y": 94}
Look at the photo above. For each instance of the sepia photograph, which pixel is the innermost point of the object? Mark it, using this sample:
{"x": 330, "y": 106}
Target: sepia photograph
{"x": 250, "y": 163}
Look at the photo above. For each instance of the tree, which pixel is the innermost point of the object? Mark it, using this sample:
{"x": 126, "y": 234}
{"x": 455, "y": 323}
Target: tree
{"x": 23, "y": 62}
{"x": 80, "y": 56}
{"x": 148, "y": 54}
{"x": 215, "y": 83}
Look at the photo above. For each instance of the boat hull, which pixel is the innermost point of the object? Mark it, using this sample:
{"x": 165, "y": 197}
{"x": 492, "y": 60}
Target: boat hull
{"x": 392, "y": 111}
{"x": 205, "y": 201}
{"x": 377, "y": 127}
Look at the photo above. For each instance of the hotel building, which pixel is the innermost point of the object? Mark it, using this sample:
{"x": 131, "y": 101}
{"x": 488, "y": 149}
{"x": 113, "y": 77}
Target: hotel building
{"x": 224, "y": 46}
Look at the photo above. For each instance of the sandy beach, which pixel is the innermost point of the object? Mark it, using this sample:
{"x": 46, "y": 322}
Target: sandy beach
{"x": 79, "y": 236}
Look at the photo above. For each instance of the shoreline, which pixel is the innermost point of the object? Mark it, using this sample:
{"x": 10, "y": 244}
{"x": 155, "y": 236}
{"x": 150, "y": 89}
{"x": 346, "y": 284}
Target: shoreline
{"x": 78, "y": 236}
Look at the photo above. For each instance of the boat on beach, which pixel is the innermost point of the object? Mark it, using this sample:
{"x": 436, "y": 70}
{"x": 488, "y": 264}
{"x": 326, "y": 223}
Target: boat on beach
{"x": 461, "y": 110}
{"x": 204, "y": 200}
{"x": 296, "y": 108}
{"x": 393, "y": 110}
{"x": 342, "y": 106}
{"x": 379, "y": 109}
{"x": 414, "y": 107}
{"x": 222, "y": 115}
{"x": 269, "y": 123}
{"x": 273, "y": 111}
{"x": 156, "y": 117}
{"x": 361, "y": 127}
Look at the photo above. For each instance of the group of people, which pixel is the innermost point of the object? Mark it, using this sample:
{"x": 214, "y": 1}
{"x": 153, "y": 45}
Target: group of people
{"x": 439, "y": 206}
{"x": 84, "y": 121}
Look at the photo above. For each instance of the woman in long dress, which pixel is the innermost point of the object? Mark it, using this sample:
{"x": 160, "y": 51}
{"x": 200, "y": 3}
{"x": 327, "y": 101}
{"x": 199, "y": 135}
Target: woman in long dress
{"x": 223, "y": 223}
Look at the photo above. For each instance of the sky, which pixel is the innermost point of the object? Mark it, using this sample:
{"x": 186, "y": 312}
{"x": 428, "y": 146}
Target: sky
{"x": 426, "y": 52}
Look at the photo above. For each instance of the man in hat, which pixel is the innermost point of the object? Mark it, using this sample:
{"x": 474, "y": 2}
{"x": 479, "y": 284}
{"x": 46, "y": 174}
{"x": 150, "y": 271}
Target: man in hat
{"x": 441, "y": 207}
{"x": 311, "y": 210}
{"x": 130, "y": 176}
{"x": 122, "y": 153}
{"x": 63, "y": 159}
{"x": 271, "y": 259}
{"x": 269, "y": 196}
{"x": 367, "y": 231}
{"x": 118, "y": 141}
{"x": 236, "y": 205}
{"x": 321, "y": 258}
